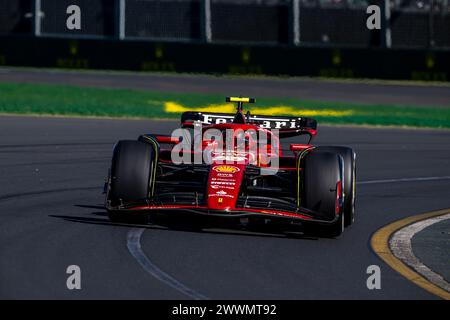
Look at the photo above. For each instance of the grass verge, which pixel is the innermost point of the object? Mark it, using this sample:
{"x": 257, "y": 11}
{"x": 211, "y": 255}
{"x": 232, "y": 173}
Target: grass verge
{"x": 99, "y": 102}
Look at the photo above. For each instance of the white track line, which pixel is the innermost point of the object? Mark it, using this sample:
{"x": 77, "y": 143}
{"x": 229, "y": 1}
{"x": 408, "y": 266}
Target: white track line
{"x": 400, "y": 245}
{"x": 134, "y": 246}
{"x": 404, "y": 180}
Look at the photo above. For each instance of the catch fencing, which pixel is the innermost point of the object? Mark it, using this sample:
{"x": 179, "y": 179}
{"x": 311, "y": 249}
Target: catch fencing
{"x": 328, "y": 23}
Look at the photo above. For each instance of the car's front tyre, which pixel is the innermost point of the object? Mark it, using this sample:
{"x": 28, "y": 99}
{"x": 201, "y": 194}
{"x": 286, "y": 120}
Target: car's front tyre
{"x": 129, "y": 179}
{"x": 349, "y": 187}
{"x": 322, "y": 191}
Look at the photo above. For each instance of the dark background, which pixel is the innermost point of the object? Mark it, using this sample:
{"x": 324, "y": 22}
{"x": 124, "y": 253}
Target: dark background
{"x": 246, "y": 37}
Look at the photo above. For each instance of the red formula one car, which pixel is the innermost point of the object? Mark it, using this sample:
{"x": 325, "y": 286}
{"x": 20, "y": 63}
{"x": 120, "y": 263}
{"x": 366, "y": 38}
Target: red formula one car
{"x": 232, "y": 168}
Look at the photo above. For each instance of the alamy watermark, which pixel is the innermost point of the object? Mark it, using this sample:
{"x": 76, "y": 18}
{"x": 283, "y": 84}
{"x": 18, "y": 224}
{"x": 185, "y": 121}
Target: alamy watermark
{"x": 374, "y": 20}
{"x": 73, "y": 282}
{"x": 374, "y": 280}
{"x": 73, "y": 21}
{"x": 227, "y": 146}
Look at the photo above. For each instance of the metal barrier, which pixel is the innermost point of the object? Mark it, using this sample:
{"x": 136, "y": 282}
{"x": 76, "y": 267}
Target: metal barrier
{"x": 16, "y": 17}
{"x": 170, "y": 20}
{"x": 264, "y": 21}
{"x": 330, "y": 23}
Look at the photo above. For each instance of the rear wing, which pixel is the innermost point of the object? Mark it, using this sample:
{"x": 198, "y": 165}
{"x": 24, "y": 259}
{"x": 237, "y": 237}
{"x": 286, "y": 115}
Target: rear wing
{"x": 288, "y": 126}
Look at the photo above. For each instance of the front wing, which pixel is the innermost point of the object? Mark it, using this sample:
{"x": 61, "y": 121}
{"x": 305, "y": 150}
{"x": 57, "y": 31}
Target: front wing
{"x": 303, "y": 215}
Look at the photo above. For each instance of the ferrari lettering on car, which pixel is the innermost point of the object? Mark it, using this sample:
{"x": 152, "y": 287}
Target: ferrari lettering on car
{"x": 263, "y": 122}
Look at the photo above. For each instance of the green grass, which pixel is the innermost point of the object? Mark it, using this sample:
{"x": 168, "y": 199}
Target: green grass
{"x": 78, "y": 101}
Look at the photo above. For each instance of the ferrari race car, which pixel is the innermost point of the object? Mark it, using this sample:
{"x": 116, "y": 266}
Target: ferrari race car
{"x": 232, "y": 168}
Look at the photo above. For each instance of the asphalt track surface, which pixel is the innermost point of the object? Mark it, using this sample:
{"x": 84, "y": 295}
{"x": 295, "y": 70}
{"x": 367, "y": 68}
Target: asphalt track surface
{"x": 298, "y": 88}
{"x": 431, "y": 244}
{"x": 51, "y": 216}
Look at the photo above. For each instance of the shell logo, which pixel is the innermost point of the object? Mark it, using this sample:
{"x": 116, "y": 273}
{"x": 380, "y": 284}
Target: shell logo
{"x": 226, "y": 168}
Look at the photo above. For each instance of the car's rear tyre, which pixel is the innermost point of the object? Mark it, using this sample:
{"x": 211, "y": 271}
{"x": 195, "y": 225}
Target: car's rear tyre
{"x": 349, "y": 157}
{"x": 129, "y": 179}
{"x": 322, "y": 171}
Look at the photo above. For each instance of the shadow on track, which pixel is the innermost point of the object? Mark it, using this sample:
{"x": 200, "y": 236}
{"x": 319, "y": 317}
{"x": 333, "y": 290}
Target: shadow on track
{"x": 178, "y": 226}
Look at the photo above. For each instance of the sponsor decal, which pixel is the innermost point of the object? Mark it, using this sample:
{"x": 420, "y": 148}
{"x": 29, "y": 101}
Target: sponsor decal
{"x": 223, "y": 179}
{"x": 233, "y": 157}
{"x": 223, "y": 183}
{"x": 222, "y": 187}
{"x": 226, "y": 168}
{"x": 221, "y": 195}
{"x": 224, "y": 175}
{"x": 266, "y": 123}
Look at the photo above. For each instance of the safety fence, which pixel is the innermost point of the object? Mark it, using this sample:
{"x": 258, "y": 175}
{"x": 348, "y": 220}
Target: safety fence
{"x": 328, "y": 23}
